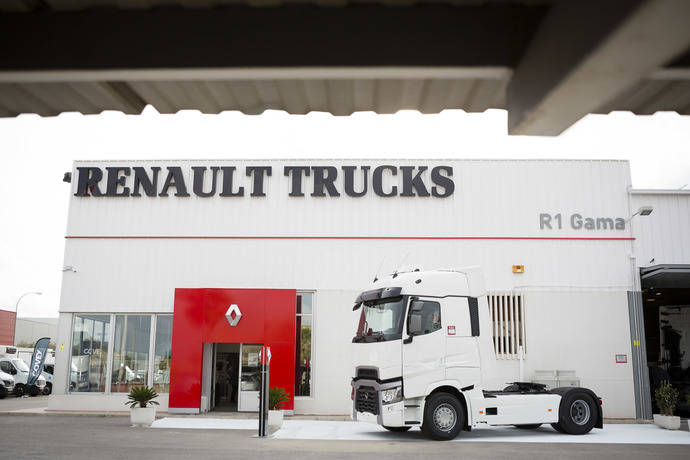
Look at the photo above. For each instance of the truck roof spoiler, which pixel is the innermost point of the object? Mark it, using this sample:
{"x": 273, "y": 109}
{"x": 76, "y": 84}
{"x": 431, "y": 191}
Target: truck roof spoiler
{"x": 376, "y": 294}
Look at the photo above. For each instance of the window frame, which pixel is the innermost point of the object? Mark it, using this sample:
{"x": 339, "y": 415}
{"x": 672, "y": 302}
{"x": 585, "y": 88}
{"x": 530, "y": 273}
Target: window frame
{"x": 437, "y": 301}
{"x": 108, "y": 364}
{"x": 152, "y": 349}
{"x": 312, "y": 386}
{"x": 111, "y": 351}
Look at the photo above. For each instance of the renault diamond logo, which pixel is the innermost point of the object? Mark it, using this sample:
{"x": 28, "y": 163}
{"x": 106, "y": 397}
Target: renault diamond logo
{"x": 233, "y": 315}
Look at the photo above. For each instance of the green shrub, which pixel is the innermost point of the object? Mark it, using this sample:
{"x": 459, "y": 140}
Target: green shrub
{"x": 141, "y": 396}
{"x": 666, "y": 398}
{"x": 277, "y": 397}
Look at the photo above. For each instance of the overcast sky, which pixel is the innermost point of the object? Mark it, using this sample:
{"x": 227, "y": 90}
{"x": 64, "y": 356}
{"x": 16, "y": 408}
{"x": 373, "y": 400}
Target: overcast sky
{"x": 37, "y": 151}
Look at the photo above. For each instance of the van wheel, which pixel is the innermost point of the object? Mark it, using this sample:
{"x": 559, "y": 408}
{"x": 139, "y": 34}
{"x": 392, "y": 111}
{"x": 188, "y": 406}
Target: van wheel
{"x": 444, "y": 417}
{"x": 19, "y": 390}
{"x": 397, "y": 429}
{"x": 577, "y": 413}
{"x": 34, "y": 391}
{"x": 48, "y": 388}
{"x": 532, "y": 426}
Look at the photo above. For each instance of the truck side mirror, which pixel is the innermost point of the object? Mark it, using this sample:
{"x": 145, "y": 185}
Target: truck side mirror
{"x": 414, "y": 325}
{"x": 417, "y": 305}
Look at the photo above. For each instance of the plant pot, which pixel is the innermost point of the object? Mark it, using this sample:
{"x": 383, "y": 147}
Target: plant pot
{"x": 275, "y": 420}
{"x": 670, "y": 422}
{"x": 142, "y": 416}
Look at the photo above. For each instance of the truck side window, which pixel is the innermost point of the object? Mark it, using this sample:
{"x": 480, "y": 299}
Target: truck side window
{"x": 431, "y": 317}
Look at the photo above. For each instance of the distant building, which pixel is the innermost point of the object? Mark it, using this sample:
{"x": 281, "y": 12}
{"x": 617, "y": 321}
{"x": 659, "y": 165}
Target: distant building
{"x": 29, "y": 330}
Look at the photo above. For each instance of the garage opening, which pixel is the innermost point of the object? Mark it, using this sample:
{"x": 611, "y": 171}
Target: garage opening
{"x": 666, "y": 309}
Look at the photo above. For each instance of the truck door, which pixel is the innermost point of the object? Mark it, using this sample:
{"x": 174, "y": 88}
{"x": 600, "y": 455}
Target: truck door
{"x": 423, "y": 349}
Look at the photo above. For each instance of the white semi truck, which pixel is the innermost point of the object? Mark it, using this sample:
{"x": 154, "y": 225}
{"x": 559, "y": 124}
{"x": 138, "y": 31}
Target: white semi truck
{"x": 424, "y": 356}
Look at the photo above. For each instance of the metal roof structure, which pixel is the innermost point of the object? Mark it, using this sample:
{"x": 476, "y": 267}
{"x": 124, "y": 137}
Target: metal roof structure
{"x": 548, "y": 63}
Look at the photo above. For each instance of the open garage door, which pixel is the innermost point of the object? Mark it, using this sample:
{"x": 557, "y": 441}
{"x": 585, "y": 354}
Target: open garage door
{"x": 666, "y": 309}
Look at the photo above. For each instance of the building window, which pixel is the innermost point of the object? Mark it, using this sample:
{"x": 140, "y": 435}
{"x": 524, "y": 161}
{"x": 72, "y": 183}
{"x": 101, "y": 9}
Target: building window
{"x": 130, "y": 352}
{"x": 90, "y": 335}
{"x": 303, "y": 331}
{"x": 431, "y": 318}
{"x": 161, "y": 360}
{"x": 507, "y": 310}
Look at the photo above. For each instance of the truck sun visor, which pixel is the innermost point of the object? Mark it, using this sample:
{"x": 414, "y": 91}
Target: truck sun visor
{"x": 376, "y": 294}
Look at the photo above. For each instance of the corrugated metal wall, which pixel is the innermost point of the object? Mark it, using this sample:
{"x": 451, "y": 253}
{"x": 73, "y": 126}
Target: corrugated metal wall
{"x": 491, "y": 199}
{"x": 663, "y": 237}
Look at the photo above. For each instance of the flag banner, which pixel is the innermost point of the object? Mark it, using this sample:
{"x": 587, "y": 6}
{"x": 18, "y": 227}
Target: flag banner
{"x": 37, "y": 360}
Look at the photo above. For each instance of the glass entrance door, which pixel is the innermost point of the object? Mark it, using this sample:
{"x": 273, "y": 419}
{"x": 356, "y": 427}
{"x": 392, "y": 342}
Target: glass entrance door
{"x": 250, "y": 377}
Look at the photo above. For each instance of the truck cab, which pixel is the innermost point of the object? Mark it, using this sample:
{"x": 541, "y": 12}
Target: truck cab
{"x": 423, "y": 356}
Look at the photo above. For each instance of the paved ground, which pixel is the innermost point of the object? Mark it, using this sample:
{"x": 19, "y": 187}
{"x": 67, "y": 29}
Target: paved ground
{"x": 89, "y": 437}
{"x": 11, "y": 403}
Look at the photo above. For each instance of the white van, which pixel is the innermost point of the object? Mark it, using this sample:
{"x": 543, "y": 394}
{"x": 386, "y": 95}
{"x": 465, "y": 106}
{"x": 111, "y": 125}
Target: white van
{"x": 6, "y": 384}
{"x": 48, "y": 371}
{"x": 20, "y": 371}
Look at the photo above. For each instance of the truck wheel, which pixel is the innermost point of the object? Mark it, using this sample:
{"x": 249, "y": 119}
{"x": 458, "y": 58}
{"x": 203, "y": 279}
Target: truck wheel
{"x": 558, "y": 428}
{"x": 532, "y": 426}
{"x": 34, "y": 391}
{"x": 19, "y": 390}
{"x": 577, "y": 413}
{"x": 444, "y": 417}
{"x": 3, "y": 392}
{"x": 48, "y": 388}
{"x": 397, "y": 429}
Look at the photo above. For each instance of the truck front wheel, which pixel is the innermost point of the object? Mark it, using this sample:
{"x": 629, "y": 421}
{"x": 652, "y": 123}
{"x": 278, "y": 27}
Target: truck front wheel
{"x": 577, "y": 415}
{"x": 444, "y": 417}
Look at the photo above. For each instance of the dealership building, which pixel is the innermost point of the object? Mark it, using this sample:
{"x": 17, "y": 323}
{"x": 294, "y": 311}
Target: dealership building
{"x": 176, "y": 272}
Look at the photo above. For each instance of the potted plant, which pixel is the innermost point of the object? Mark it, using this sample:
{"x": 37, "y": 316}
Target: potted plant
{"x": 666, "y": 398}
{"x": 277, "y": 397}
{"x": 141, "y": 403}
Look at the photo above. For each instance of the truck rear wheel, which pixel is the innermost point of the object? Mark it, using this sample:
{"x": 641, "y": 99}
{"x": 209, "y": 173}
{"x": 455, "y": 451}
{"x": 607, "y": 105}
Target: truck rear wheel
{"x": 397, "y": 429}
{"x": 444, "y": 417}
{"x": 577, "y": 414}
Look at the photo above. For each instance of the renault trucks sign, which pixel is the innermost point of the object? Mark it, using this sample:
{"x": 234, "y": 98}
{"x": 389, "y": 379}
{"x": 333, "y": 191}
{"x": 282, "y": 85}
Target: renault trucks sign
{"x": 229, "y": 181}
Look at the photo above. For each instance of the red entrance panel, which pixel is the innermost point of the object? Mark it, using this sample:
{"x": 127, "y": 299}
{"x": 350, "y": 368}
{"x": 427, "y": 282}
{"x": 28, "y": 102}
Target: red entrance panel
{"x": 268, "y": 317}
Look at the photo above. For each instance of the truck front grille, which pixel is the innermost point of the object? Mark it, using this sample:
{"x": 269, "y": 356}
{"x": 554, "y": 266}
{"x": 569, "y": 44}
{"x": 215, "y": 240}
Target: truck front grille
{"x": 367, "y": 400}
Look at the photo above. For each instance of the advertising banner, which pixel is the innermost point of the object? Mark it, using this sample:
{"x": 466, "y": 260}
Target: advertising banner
{"x": 37, "y": 360}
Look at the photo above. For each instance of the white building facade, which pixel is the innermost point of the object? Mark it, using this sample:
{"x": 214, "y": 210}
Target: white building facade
{"x": 554, "y": 238}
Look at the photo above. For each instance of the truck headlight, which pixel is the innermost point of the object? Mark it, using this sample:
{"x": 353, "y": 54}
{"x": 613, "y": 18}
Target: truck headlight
{"x": 391, "y": 395}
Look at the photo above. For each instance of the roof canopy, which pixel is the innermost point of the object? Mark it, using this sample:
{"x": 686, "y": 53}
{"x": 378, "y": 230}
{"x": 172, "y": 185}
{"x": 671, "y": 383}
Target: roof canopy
{"x": 548, "y": 63}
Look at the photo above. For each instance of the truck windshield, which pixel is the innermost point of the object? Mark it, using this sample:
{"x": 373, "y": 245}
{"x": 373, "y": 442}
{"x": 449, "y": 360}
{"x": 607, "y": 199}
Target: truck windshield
{"x": 381, "y": 320}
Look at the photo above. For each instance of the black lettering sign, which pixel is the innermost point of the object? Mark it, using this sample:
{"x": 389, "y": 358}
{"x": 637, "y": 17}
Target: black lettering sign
{"x": 258, "y": 173}
{"x": 326, "y": 181}
{"x": 174, "y": 179}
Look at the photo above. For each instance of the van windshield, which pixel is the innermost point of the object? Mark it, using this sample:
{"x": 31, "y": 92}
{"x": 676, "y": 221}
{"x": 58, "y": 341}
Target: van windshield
{"x": 381, "y": 320}
{"x": 20, "y": 365}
